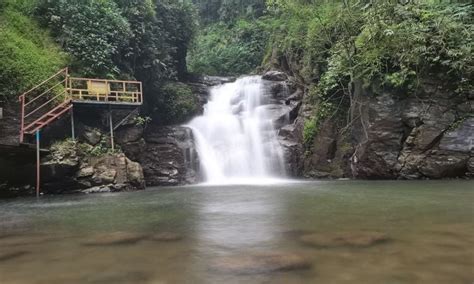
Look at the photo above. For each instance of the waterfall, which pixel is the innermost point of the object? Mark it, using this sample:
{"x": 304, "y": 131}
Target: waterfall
{"x": 235, "y": 137}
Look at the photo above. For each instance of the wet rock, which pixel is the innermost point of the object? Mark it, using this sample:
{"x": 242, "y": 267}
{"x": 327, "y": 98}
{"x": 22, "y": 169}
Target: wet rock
{"x": 278, "y": 113}
{"x": 460, "y": 139}
{"x": 167, "y": 155}
{"x": 470, "y": 167}
{"x": 274, "y": 76}
{"x": 6, "y": 256}
{"x": 135, "y": 174}
{"x": 448, "y": 165}
{"x": 85, "y": 172}
{"x": 292, "y": 149}
{"x": 71, "y": 167}
{"x": 98, "y": 189}
{"x": 128, "y": 134}
{"x": 166, "y": 237}
{"x": 394, "y": 136}
{"x": 351, "y": 239}
{"x": 256, "y": 263}
{"x": 91, "y": 136}
{"x": 277, "y": 91}
{"x": 296, "y": 96}
{"x": 215, "y": 80}
{"x": 104, "y": 175}
{"x": 63, "y": 161}
{"x": 116, "y": 238}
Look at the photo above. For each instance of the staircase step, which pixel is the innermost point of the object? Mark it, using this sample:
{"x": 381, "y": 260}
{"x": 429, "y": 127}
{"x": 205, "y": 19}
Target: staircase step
{"x": 48, "y": 118}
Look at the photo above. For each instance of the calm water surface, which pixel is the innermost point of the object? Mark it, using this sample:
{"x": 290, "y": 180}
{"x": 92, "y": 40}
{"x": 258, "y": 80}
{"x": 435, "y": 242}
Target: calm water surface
{"x": 430, "y": 226}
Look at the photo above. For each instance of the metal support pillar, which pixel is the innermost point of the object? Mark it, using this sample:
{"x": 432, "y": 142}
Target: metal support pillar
{"x": 73, "y": 133}
{"x": 111, "y": 129}
{"x": 38, "y": 164}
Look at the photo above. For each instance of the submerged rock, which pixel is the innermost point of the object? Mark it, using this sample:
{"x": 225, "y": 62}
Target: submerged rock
{"x": 116, "y": 238}
{"x": 352, "y": 239}
{"x": 166, "y": 237}
{"x": 263, "y": 262}
{"x": 5, "y": 256}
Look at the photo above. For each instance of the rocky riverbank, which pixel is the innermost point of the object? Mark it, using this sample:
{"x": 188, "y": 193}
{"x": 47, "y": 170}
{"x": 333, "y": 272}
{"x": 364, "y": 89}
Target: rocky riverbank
{"x": 427, "y": 135}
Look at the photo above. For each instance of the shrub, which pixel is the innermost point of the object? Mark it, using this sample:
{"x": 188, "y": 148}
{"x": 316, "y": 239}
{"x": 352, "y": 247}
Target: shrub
{"x": 27, "y": 52}
{"x": 234, "y": 49}
{"x": 179, "y": 103}
{"x": 93, "y": 31}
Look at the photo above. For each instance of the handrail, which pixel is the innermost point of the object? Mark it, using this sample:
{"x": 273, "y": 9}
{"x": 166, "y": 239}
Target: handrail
{"x": 45, "y": 81}
{"x": 40, "y": 102}
{"x": 103, "y": 80}
{"x": 121, "y": 92}
{"x": 63, "y": 81}
{"x": 39, "y": 119}
{"x": 46, "y": 103}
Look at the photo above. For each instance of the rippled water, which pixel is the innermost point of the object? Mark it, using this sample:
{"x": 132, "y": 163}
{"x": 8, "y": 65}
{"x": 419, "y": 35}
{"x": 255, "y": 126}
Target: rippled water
{"x": 429, "y": 227}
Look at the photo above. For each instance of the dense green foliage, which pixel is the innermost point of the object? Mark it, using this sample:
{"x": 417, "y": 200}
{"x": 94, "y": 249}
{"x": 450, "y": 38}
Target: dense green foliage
{"x": 234, "y": 49}
{"x": 27, "y": 52}
{"x": 92, "y": 31}
{"x": 211, "y": 11}
{"x": 335, "y": 48}
{"x": 116, "y": 38}
{"x": 180, "y": 104}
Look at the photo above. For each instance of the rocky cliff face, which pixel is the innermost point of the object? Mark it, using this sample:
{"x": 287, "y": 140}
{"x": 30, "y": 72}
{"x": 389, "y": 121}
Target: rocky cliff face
{"x": 425, "y": 136}
{"x": 392, "y": 136}
{"x": 70, "y": 167}
{"x": 166, "y": 153}
{"x": 285, "y": 101}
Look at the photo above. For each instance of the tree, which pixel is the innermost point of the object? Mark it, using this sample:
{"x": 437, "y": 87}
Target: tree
{"x": 93, "y": 31}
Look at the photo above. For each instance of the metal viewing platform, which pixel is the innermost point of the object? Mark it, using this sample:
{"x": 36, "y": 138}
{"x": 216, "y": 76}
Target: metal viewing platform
{"x": 57, "y": 95}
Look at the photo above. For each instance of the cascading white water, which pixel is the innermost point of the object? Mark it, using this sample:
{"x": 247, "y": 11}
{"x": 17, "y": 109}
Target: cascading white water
{"x": 235, "y": 137}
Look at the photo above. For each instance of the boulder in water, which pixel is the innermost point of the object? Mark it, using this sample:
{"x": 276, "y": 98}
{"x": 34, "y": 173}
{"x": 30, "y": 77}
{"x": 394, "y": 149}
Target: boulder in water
{"x": 351, "y": 239}
{"x": 263, "y": 262}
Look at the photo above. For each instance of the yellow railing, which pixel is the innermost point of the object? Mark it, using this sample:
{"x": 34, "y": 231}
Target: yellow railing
{"x": 111, "y": 91}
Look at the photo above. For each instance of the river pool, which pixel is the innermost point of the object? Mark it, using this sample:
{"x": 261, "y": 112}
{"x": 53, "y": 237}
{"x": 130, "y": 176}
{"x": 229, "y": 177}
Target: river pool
{"x": 301, "y": 232}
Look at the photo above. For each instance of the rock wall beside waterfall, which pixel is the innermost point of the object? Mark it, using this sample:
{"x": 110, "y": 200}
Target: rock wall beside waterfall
{"x": 393, "y": 136}
{"x": 166, "y": 153}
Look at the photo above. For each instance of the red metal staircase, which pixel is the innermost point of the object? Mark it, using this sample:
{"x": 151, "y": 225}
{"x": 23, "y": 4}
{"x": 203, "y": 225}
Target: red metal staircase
{"x": 44, "y": 103}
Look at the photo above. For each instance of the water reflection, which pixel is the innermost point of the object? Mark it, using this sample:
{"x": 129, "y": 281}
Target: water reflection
{"x": 240, "y": 222}
{"x": 245, "y": 234}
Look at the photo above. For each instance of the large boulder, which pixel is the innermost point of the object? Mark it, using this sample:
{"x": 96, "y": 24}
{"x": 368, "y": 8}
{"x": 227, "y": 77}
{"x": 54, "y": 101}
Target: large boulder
{"x": 72, "y": 167}
{"x": 91, "y": 135}
{"x": 167, "y": 155}
{"x": 446, "y": 165}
